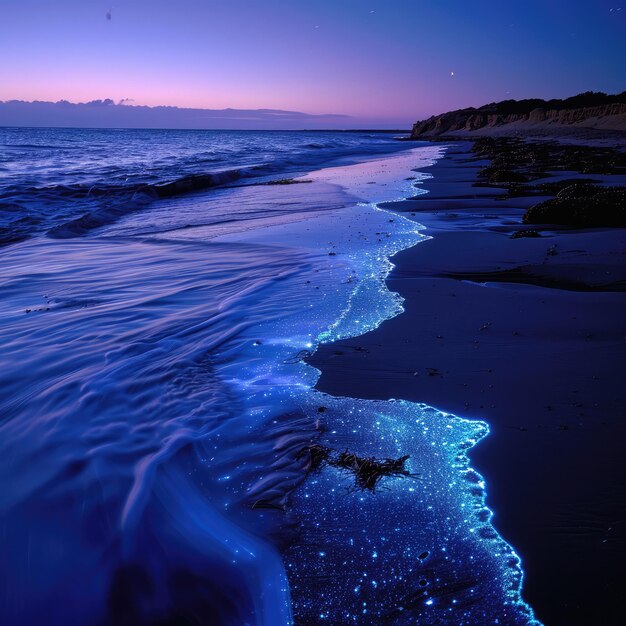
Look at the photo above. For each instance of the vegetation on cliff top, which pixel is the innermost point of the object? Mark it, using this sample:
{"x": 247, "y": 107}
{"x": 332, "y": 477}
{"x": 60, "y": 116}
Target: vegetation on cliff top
{"x": 572, "y": 110}
{"x": 581, "y": 101}
{"x": 525, "y": 107}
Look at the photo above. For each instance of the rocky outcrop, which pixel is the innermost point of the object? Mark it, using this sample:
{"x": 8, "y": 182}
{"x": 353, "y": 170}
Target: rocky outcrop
{"x": 582, "y": 206}
{"x": 528, "y": 115}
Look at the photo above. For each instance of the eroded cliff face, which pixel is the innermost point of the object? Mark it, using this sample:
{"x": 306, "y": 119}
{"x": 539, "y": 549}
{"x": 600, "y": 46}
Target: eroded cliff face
{"x": 607, "y": 117}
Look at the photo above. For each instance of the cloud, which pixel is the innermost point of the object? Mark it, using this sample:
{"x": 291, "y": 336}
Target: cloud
{"x": 106, "y": 113}
{"x": 99, "y": 103}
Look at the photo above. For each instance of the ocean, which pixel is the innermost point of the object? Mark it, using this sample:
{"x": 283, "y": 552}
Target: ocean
{"x": 161, "y": 292}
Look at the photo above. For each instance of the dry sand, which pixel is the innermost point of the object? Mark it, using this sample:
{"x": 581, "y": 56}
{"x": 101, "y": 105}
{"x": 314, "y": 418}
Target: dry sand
{"x": 611, "y": 134}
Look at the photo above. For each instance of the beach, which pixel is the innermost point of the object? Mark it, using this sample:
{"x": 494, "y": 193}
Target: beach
{"x": 174, "y": 462}
{"x": 312, "y": 313}
{"x": 225, "y": 404}
{"x": 526, "y": 333}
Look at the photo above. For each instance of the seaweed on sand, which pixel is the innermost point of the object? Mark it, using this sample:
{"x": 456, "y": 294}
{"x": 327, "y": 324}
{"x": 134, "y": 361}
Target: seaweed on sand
{"x": 316, "y": 456}
{"x": 367, "y": 471}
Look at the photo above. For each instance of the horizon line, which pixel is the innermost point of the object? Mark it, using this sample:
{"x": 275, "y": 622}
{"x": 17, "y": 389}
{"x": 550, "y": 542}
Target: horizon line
{"x": 223, "y": 130}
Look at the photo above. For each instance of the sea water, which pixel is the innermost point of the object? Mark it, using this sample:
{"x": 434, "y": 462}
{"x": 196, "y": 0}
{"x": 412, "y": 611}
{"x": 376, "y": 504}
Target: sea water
{"x": 159, "y": 300}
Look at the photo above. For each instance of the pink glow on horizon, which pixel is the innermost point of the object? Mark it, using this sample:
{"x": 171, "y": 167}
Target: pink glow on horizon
{"x": 325, "y": 57}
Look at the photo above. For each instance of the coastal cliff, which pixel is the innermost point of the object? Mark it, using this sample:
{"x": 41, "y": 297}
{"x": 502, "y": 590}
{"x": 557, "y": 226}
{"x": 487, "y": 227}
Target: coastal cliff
{"x": 588, "y": 110}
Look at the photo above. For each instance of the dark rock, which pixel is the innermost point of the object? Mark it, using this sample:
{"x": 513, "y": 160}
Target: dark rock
{"x": 583, "y": 206}
{"x": 522, "y": 234}
{"x": 518, "y": 190}
{"x": 286, "y": 181}
{"x": 577, "y": 190}
{"x": 553, "y": 188}
{"x": 507, "y": 176}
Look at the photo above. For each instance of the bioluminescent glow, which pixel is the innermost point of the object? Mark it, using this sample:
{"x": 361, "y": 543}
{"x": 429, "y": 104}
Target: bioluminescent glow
{"x": 164, "y": 399}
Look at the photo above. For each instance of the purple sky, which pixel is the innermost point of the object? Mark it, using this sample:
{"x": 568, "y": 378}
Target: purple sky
{"x": 383, "y": 62}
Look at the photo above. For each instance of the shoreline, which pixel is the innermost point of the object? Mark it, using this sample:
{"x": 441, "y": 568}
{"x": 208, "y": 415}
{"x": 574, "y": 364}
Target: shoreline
{"x": 335, "y": 524}
{"x": 487, "y": 320}
{"x": 178, "y": 374}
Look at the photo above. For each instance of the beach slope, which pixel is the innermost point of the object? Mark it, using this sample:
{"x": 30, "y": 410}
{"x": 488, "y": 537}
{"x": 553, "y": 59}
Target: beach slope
{"x": 526, "y": 332}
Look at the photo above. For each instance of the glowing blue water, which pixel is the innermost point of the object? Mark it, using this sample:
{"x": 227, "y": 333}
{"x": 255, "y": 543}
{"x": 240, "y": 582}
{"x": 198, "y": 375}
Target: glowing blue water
{"x": 154, "y": 400}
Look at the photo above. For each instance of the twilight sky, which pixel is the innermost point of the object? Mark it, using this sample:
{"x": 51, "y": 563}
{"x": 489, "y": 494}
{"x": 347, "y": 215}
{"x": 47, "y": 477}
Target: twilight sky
{"x": 383, "y": 62}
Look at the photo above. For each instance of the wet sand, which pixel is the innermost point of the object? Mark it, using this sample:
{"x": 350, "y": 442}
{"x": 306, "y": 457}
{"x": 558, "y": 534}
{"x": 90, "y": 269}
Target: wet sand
{"x": 529, "y": 335}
